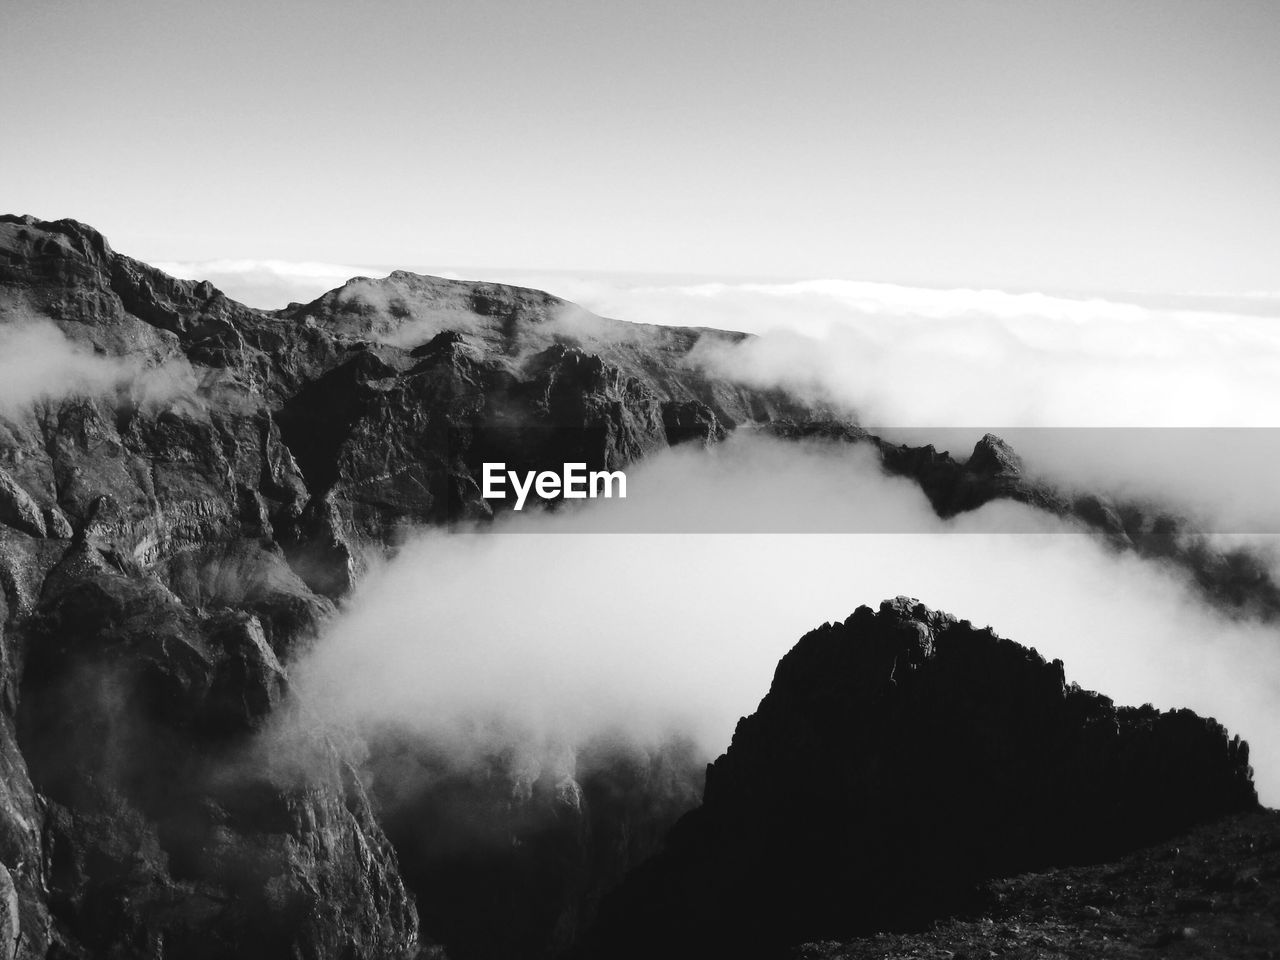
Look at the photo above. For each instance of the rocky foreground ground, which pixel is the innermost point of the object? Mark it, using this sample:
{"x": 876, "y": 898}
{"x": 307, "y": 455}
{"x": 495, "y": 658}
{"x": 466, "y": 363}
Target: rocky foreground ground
{"x": 1212, "y": 892}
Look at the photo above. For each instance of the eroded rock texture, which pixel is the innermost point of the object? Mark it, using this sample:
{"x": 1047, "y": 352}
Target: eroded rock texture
{"x": 898, "y": 759}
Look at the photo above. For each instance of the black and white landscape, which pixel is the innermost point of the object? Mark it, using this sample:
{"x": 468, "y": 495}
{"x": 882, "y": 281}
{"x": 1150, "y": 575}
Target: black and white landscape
{"x": 830, "y": 513}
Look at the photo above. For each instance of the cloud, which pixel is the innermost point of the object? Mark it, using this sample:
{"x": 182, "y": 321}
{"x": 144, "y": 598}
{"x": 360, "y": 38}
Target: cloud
{"x": 554, "y": 626}
{"x": 903, "y": 356}
{"x": 1164, "y": 402}
{"x": 38, "y": 362}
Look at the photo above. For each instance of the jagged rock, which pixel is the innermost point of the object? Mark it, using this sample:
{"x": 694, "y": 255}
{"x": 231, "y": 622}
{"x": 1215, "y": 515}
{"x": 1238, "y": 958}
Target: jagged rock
{"x": 249, "y": 682}
{"x": 10, "y": 918}
{"x": 248, "y": 576}
{"x": 134, "y": 711}
{"x": 992, "y": 457}
{"x": 898, "y": 759}
{"x": 56, "y": 523}
{"x": 24, "y": 913}
{"x": 691, "y": 420}
{"x": 17, "y": 509}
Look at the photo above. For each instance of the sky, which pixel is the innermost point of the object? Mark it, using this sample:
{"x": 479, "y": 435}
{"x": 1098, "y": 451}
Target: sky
{"x": 1054, "y": 146}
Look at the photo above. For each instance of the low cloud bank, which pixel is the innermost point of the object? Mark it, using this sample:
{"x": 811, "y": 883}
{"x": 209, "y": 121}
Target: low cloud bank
{"x": 912, "y": 357}
{"x": 1159, "y": 402}
{"x": 564, "y": 632}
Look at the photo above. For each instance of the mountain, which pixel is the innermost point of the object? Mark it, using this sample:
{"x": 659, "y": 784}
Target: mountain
{"x": 188, "y": 489}
{"x": 180, "y": 505}
{"x": 899, "y": 759}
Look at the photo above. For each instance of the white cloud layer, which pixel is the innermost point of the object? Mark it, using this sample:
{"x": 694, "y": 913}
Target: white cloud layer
{"x": 912, "y": 357}
{"x": 566, "y": 631}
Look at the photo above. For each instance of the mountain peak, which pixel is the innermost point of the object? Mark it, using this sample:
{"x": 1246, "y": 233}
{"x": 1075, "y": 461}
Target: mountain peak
{"x": 993, "y": 457}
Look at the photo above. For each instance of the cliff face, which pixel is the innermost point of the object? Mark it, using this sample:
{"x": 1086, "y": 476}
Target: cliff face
{"x": 899, "y": 758}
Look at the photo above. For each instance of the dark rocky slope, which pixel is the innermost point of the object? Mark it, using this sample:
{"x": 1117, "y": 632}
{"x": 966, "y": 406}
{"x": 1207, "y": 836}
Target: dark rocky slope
{"x": 179, "y": 514}
{"x": 1211, "y": 892}
{"x": 510, "y": 856}
{"x": 898, "y": 760}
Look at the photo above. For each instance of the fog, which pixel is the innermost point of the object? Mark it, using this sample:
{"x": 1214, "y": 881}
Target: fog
{"x": 552, "y": 628}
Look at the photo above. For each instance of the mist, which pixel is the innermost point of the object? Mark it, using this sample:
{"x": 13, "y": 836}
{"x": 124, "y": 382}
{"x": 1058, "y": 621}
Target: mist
{"x": 40, "y": 363}
{"x": 551, "y": 629}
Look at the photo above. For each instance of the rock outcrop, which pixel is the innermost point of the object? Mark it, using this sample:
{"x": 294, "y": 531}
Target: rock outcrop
{"x": 899, "y": 759}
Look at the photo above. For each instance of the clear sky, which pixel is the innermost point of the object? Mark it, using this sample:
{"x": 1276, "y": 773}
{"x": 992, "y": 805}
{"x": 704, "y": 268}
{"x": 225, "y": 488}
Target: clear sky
{"x": 1075, "y": 145}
